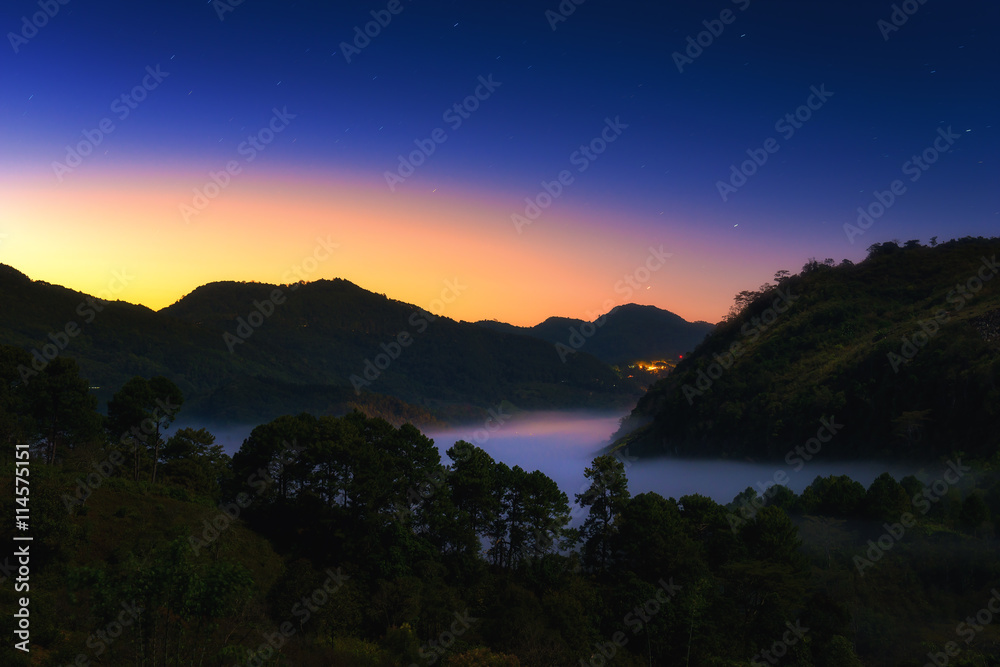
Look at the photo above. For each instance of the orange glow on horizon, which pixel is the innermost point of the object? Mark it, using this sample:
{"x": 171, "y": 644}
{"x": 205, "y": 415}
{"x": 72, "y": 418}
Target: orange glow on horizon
{"x": 409, "y": 246}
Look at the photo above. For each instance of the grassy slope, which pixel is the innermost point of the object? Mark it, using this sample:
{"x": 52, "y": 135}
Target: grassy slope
{"x": 829, "y": 355}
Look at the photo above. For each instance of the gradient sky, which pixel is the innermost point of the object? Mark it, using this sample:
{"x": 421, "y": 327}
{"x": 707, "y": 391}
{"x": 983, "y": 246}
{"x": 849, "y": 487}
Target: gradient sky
{"x": 323, "y": 175}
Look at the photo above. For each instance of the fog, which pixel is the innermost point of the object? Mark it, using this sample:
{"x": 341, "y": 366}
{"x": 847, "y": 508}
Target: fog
{"x": 563, "y": 444}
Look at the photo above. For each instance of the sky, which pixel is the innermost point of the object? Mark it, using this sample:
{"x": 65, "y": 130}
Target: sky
{"x": 549, "y": 158}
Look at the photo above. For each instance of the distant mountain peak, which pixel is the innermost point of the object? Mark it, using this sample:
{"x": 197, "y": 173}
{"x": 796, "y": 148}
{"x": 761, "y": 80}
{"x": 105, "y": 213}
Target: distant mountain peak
{"x": 239, "y": 352}
{"x": 628, "y": 332}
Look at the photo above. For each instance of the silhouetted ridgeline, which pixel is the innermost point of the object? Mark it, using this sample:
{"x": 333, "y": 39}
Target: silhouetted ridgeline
{"x": 628, "y": 333}
{"x": 241, "y": 354}
{"x": 901, "y": 349}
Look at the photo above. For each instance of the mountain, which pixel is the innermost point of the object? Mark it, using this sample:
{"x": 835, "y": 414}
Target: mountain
{"x": 897, "y": 357}
{"x": 627, "y": 333}
{"x": 253, "y": 351}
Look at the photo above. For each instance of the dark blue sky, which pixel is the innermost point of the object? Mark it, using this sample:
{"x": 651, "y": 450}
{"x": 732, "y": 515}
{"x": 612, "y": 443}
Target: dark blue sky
{"x": 606, "y": 60}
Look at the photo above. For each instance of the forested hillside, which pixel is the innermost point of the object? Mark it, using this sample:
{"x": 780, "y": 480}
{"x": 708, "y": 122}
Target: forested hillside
{"x": 902, "y": 350}
{"x": 333, "y": 541}
{"x": 242, "y": 352}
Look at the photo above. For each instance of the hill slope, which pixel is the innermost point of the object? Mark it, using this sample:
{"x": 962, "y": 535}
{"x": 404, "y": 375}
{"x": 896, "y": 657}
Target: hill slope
{"x": 627, "y": 333}
{"x": 901, "y": 350}
{"x": 236, "y": 361}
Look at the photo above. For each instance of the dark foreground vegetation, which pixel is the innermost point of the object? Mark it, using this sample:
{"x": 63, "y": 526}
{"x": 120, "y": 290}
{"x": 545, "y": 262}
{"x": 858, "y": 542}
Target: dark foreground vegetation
{"x": 902, "y": 348}
{"x": 347, "y": 541}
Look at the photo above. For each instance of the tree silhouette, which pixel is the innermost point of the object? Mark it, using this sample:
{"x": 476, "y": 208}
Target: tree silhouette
{"x": 607, "y": 497}
{"x": 61, "y": 407}
{"x": 140, "y": 410}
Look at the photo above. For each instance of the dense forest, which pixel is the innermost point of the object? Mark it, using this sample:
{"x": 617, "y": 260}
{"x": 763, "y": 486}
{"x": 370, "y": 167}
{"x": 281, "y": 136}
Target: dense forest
{"x": 248, "y": 352}
{"x": 348, "y": 541}
{"x": 902, "y": 349}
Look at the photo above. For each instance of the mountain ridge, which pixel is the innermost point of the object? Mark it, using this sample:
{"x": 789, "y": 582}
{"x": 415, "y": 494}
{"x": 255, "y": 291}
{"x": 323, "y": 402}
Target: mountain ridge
{"x": 901, "y": 348}
{"x": 626, "y": 333}
{"x": 303, "y": 343}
